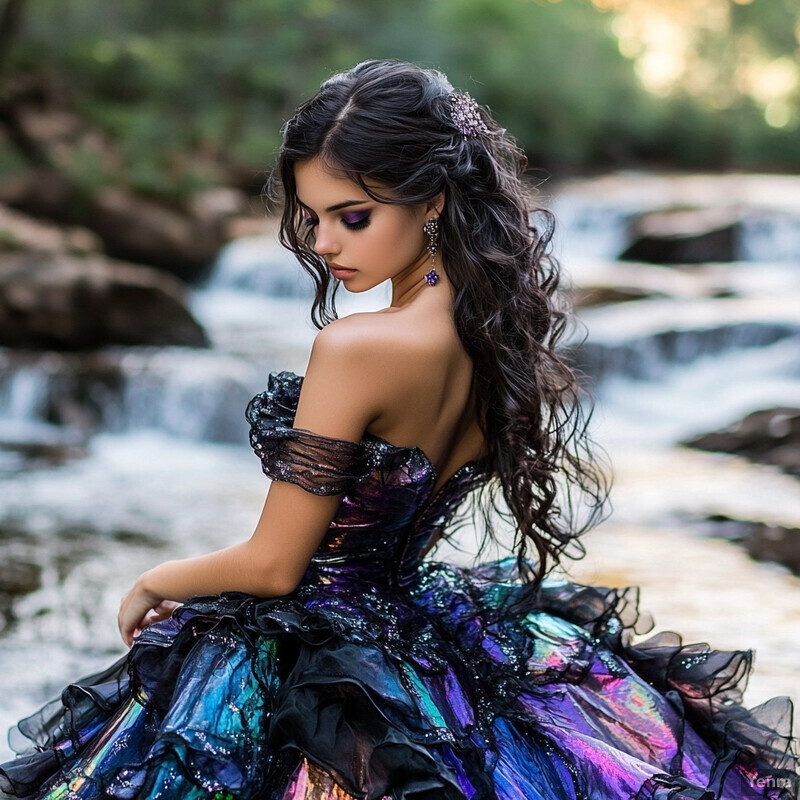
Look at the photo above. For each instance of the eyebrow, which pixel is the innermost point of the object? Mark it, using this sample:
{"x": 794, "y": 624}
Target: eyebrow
{"x": 338, "y": 206}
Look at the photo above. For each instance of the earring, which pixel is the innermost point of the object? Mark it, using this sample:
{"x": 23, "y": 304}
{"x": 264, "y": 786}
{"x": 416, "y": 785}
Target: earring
{"x": 431, "y": 227}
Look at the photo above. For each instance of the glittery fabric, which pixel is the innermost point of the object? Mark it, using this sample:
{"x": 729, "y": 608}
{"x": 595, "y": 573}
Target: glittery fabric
{"x": 384, "y": 675}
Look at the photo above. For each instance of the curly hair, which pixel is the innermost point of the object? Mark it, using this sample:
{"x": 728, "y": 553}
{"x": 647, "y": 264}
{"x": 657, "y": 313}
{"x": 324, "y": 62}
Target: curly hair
{"x": 389, "y": 124}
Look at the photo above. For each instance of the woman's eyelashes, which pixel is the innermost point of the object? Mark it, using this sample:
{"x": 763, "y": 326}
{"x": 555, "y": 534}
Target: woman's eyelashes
{"x": 353, "y": 220}
{"x": 356, "y": 220}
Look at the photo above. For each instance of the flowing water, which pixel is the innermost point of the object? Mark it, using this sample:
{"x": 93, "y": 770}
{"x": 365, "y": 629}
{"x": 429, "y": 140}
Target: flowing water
{"x": 116, "y": 461}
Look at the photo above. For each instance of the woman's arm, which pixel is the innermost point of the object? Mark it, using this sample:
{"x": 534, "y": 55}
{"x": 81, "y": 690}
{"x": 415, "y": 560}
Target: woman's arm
{"x": 338, "y": 399}
{"x": 269, "y": 564}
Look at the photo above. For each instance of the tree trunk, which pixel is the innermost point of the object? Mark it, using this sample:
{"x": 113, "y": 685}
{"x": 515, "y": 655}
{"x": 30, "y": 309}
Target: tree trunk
{"x": 10, "y": 24}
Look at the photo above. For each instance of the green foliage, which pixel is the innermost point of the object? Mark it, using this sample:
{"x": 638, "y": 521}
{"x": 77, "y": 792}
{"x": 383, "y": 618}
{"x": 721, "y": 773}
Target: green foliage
{"x": 772, "y": 22}
{"x": 551, "y": 72}
{"x": 186, "y": 89}
{"x": 8, "y": 240}
{"x": 10, "y": 159}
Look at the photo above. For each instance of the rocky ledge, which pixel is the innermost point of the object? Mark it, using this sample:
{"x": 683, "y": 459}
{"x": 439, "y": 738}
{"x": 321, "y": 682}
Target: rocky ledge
{"x": 768, "y": 436}
{"x": 57, "y": 301}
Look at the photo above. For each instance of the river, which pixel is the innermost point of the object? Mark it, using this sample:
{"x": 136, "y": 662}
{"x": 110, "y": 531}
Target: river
{"x": 169, "y": 474}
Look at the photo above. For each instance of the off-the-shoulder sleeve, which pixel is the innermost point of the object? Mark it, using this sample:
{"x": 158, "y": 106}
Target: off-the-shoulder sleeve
{"x": 319, "y": 464}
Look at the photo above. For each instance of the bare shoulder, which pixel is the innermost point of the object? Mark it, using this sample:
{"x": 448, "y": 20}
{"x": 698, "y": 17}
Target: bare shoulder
{"x": 379, "y": 360}
{"x": 341, "y": 335}
{"x": 386, "y": 347}
{"x": 403, "y": 376}
{"x": 357, "y": 365}
{"x": 366, "y": 333}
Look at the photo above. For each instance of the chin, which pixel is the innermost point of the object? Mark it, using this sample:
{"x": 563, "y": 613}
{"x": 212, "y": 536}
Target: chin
{"x": 360, "y": 287}
{"x": 356, "y": 289}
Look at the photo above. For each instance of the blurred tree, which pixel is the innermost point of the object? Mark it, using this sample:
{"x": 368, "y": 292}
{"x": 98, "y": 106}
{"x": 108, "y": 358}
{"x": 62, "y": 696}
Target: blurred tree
{"x": 10, "y": 18}
{"x": 552, "y": 72}
{"x": 188, "y": 93}
{"x": 740, "y": 56}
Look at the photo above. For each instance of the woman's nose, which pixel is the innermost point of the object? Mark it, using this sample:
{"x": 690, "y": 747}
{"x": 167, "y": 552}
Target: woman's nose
{"x": 325, "y": 242}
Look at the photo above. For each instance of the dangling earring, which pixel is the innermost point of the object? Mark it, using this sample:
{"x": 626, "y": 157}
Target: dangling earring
{"x": 431, "y": 227}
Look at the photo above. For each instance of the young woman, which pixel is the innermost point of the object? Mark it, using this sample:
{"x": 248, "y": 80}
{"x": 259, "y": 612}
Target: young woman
{"x": 326, "y": 657}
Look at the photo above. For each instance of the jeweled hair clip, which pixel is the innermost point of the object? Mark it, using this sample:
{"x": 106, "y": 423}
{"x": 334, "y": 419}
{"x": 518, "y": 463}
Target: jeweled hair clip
{"x": 466, "y": 116}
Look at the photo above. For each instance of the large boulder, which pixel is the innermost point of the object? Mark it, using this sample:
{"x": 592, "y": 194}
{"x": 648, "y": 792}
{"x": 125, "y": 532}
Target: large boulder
{"x": 135, "y": 228}
{"x": 132, "y": 227}
{"x": 61, "y": 302}
{"x": 684, "y": 236}
{"x": 769, "y": 436}
{"x": 22, "y": 232}
{"x": 764, "y": 541}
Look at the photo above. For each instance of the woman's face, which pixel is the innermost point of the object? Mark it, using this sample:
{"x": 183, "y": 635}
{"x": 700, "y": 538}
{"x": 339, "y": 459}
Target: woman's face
{"x": 363, "y": 241}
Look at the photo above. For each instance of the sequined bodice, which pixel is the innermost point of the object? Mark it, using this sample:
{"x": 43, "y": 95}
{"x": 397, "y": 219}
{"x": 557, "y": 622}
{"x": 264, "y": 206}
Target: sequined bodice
{"x": 389, "y": 511}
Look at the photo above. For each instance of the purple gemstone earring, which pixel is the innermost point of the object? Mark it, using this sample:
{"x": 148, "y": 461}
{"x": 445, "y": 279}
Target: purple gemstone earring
{"x": 431, "y": 227}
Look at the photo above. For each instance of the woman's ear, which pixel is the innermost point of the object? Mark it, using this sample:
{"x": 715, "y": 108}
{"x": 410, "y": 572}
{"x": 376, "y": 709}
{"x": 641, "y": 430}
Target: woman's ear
{"x": 436, "y": 204}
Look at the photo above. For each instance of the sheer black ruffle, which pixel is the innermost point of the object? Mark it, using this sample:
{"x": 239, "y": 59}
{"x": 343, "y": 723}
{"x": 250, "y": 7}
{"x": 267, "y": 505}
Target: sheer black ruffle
{"x": 318, "y": 464}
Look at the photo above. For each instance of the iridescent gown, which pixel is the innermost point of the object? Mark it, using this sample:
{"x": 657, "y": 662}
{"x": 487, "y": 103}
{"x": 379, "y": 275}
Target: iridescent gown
{"x": 386, "y": 675}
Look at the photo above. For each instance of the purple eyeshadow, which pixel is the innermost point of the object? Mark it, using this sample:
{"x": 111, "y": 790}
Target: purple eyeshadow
{"x": 354, "y": 217}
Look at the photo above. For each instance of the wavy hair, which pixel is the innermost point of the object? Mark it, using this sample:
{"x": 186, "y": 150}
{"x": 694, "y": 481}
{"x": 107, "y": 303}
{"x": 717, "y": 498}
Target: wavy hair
{"x": 389, "y": 124}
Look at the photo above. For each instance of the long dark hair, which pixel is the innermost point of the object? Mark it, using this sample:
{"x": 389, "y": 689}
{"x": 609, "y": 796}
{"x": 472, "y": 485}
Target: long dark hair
{"x": 389, "y": 123}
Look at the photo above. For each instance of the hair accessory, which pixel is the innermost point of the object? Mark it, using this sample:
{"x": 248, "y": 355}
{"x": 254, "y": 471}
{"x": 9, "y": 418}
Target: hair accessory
{"x": 466, "y": 116}
{"x": 431, "y": 227}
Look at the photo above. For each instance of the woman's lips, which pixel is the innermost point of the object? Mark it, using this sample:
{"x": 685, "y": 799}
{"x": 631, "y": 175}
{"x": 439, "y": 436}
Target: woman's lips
{"x": 341, "y": 272}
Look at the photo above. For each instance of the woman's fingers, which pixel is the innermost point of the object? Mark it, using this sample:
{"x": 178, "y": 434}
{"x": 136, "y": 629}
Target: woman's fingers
{"x": 130, "y": 628}
{"x": 165, "y": 608}
{"x": 162, "y": 611}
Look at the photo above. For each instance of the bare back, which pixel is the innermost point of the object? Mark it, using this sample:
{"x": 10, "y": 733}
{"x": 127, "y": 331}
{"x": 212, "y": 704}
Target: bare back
{"x": 401, "y": 374}
{"x": 428, "y": 402}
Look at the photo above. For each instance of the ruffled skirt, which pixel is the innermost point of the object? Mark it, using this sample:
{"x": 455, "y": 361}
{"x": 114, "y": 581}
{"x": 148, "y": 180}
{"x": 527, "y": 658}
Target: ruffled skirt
{"x": 441, "y": 691}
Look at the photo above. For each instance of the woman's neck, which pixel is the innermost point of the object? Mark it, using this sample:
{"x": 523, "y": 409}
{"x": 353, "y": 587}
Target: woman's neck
{"x": 411, "y": 284}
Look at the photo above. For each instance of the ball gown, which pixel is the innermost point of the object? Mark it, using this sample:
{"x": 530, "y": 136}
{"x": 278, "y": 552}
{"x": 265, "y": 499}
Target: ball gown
{"x": 389, "y": 675}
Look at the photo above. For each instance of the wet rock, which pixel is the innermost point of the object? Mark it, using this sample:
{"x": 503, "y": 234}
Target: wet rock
{"x": 19, "y": 577}
{"x": 586, "y": 296}
{"x": 74, "y": 545}
{"x": 35, "y": 454}
{"x": 61, "y": 399}
{"x": 138, "y": 539}
{"x": 22, "y": 232}
{"x": 142, "y": 230}
{"x": 51, "y": 403}
{"x": 775, "y": 543}
{"x": 182, "y": 240}
{"x": 603, "y": 283}
{"x": 28, "y": 557}
{"x": 763, "y": 541}
{"x": 647, "y": 357}
{"x": 14, "y": 530}
{"x": 66, "y": 303}
{"x": 768, "y": 436}
{"x": 684, "y": 236}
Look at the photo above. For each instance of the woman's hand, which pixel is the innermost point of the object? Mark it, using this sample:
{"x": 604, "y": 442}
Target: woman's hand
{"x": 141, "y": 607}
{"x": 270, "y": 564}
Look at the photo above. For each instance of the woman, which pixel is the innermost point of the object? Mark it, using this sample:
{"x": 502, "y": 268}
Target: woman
{"x": 324, "y": 658}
